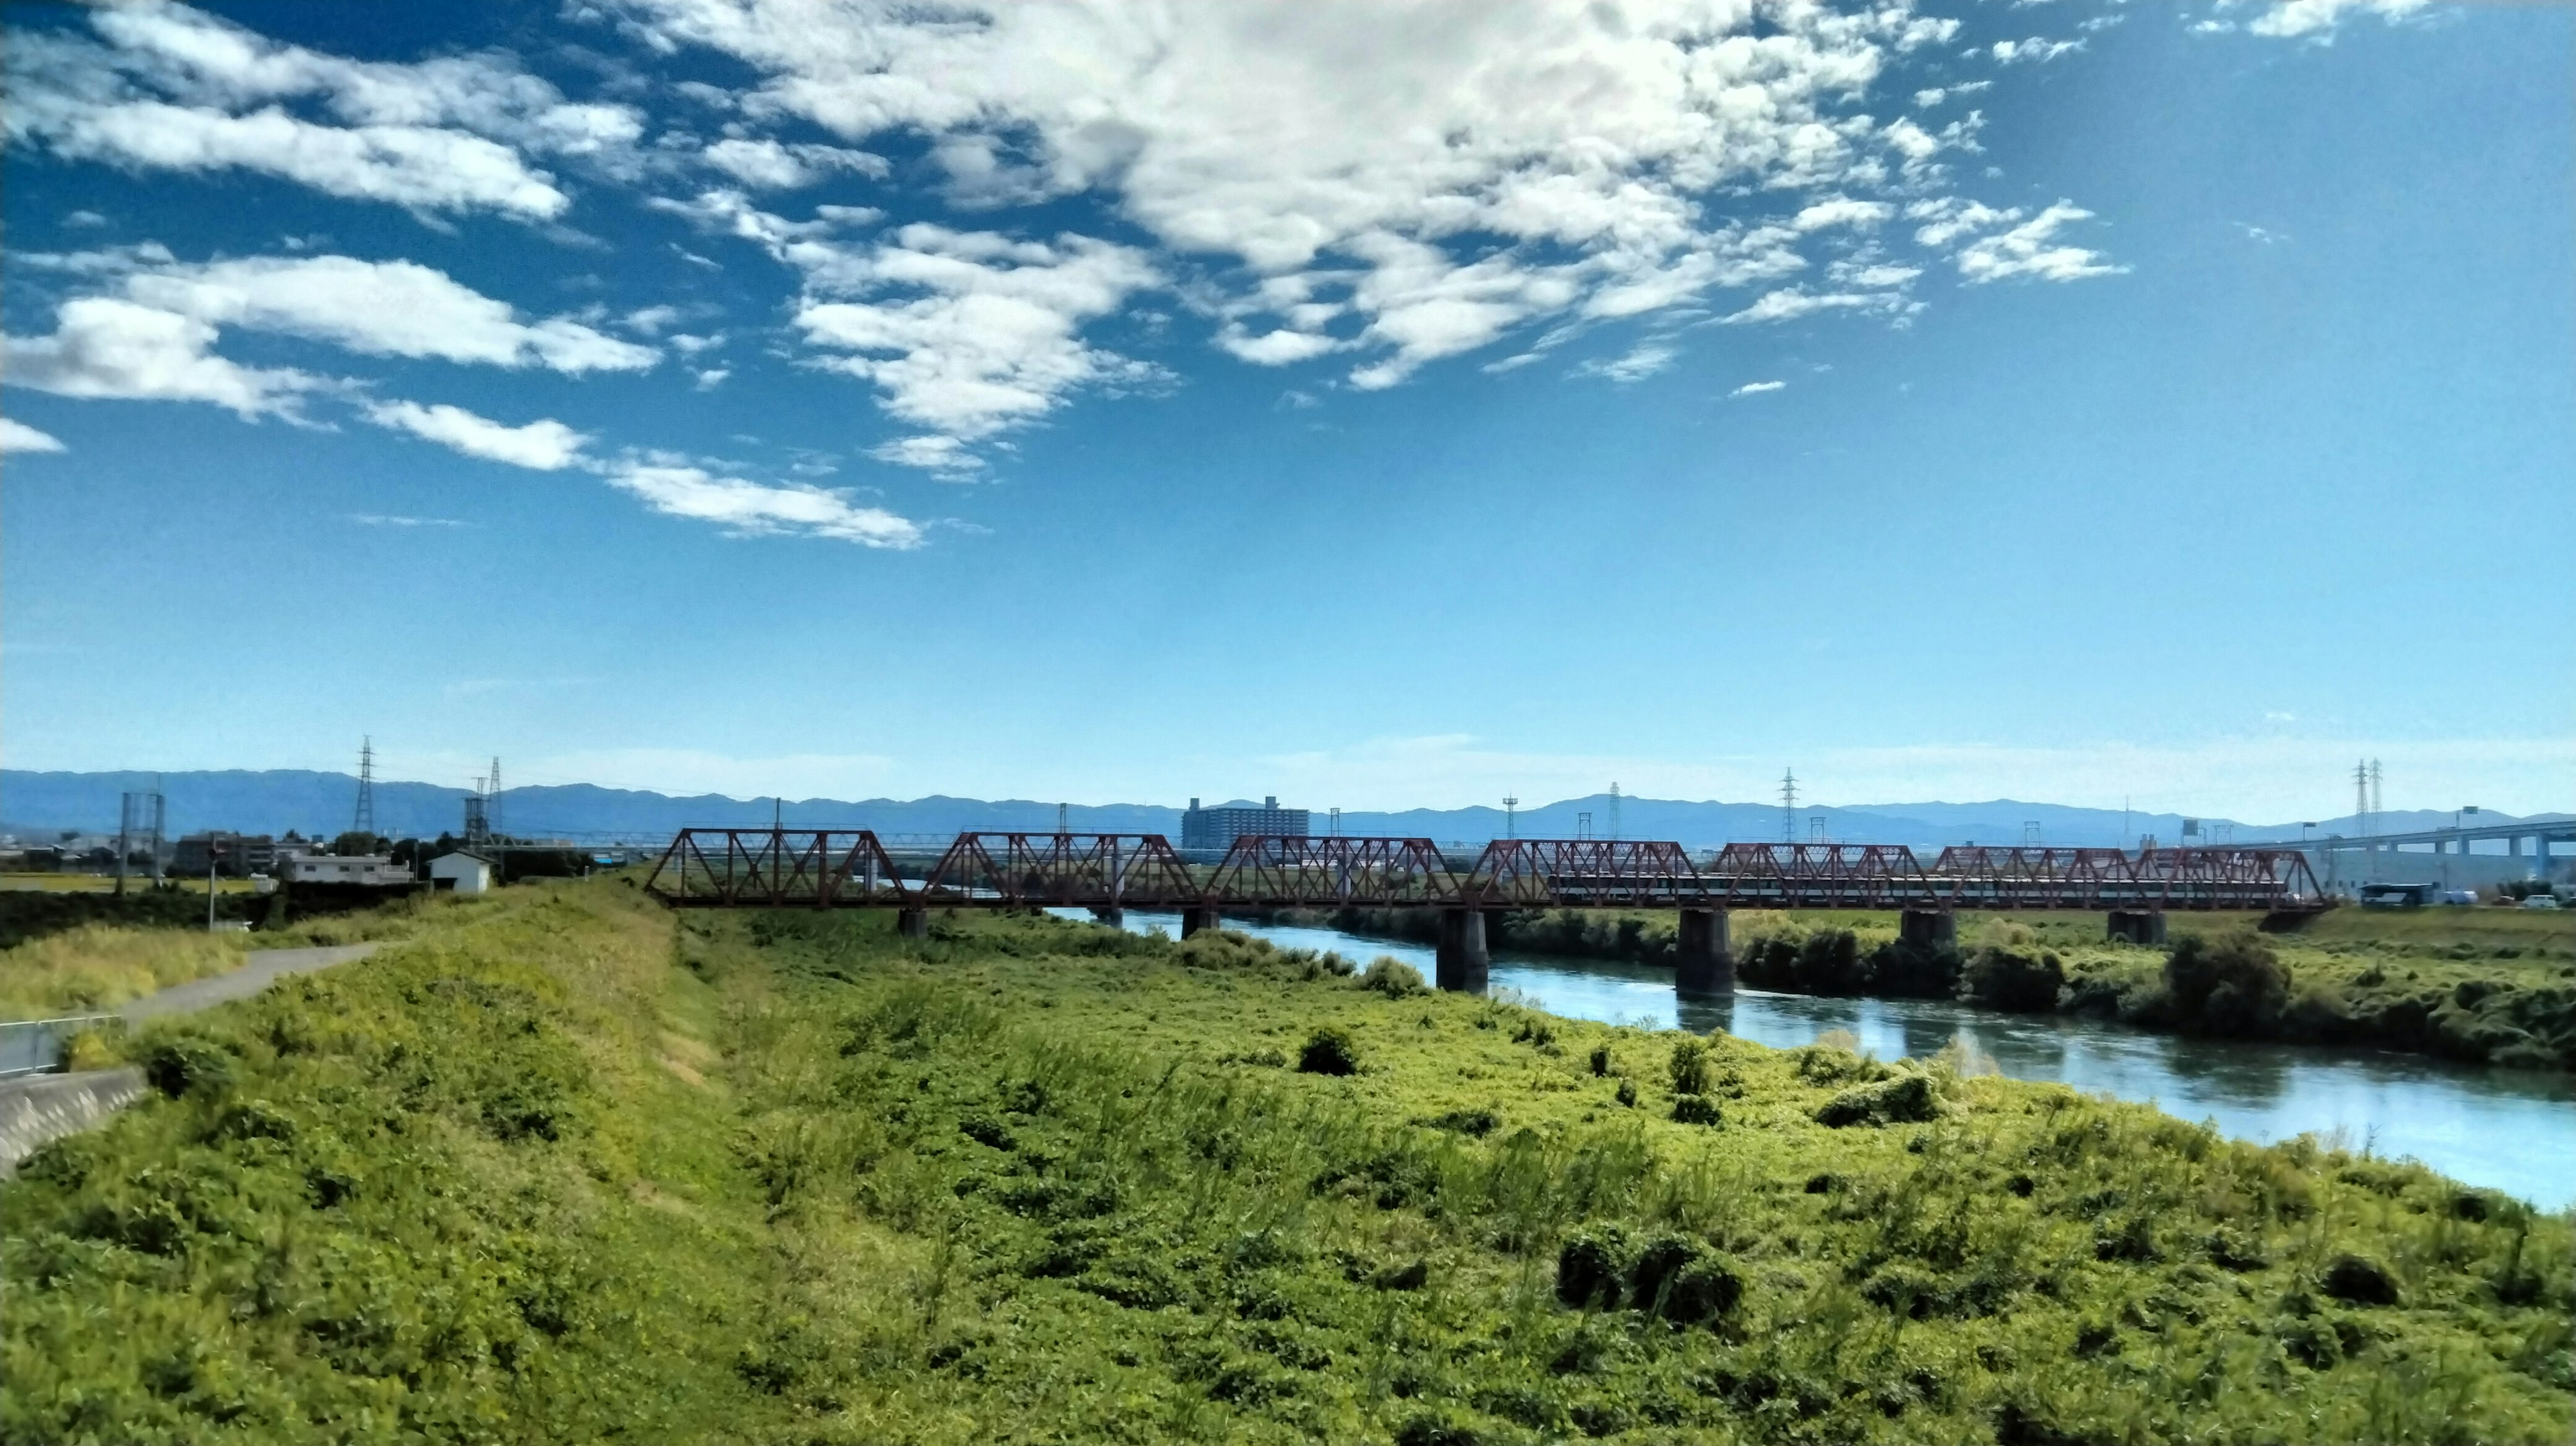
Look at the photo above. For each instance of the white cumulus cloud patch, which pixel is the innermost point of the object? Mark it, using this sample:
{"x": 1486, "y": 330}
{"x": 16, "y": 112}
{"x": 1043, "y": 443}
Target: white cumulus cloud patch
{"x": 160, "y": 86}
{"x": 1395, "y": 184}
{"x": 387, "y": 308}
{"x": 19, "y": 437}
{"x": 754, "y": 508}
{"x": 109, "y": 348}
{"x": 544, "y": 446}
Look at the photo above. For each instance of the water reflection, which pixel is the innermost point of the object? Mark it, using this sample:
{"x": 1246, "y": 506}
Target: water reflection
{"x": 2509, "y": 1129}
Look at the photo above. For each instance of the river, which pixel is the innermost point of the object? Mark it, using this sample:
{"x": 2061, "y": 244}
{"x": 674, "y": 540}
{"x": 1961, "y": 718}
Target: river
{"x": 2512, "y": 1130}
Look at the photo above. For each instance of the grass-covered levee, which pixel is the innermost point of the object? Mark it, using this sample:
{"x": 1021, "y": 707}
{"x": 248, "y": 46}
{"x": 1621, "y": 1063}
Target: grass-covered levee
{"x": 571, "y": 1168}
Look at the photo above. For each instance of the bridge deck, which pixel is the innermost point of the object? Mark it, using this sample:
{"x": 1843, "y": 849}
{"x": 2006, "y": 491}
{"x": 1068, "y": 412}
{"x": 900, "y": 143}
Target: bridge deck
{"x": 842, "y": 868}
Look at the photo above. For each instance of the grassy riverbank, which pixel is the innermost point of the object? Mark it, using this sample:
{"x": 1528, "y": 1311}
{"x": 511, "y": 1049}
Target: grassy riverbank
{"x": 2488, "y": 985}
{"x": 564, "y": 1167}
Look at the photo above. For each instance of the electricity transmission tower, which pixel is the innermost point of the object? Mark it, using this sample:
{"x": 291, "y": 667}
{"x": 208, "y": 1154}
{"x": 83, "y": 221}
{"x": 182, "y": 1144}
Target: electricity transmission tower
{"x": 1510, "y": 828}
{"x": 1789, "y": 806}
{"x": 138, "y": 823}
{"x": 1614, "y": 809}
{"x": 365, "y": 824}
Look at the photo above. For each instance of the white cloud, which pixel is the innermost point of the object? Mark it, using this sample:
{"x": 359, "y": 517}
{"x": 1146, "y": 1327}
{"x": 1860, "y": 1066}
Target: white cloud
{"x": 1755, "y": 389}
{"x": 1644, "y": 360}
{"x": 1791, "y": 303}
{"x": 19, "y": 437}
{"x": 753, "y": 508}
{"x": 1926, "y": 99}
{"x": 2317, "y": 19}
{"x": 967, "y": 333}
{"x": 1442, "y": 176}
{"x": 546, "y": 446}
{"x": 2035, "y": 49}
{"x": 771, "y": 166}
{"x": 166, "y": 87}
{"x": 388, "y": 308}
{"x": 379, "y": 519}
{"x": 2029, "y": 249}
{"x": 710, "y": 378}
{"x": 105, "y": 347}
{"x": 1843, "y": 211}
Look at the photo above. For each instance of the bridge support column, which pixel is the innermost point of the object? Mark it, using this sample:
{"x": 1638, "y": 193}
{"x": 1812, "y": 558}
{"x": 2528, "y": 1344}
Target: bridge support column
{"x": 912, "y": 923}
{"x": 2133, "y": 926}
{"x": 1113, "y": 916}
{"x": 1193, "y": 920}
{"x": 1705, "y": 964}
{"x": 1928, "y": 928}
{"x": 1462, "y": 962}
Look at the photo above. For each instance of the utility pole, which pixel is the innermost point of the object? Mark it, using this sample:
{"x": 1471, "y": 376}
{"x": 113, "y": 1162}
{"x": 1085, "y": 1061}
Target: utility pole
{"x": 1510, "y": 828}
{"x": 213, "y": 851}
{"x": 1789, "y": 806}
{"x": 492, "y": 796}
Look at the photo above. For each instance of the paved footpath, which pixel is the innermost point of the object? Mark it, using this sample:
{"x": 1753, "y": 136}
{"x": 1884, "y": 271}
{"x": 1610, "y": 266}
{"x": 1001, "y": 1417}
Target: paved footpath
{"x": 38, "y": 1108}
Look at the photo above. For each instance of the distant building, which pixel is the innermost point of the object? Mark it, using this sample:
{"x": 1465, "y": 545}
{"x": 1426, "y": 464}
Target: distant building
{"x": 1216, "y": 829}
{"x": 461, "y": 872}
{"x": 364, "y": 871}
{"x": 235, "y": 854}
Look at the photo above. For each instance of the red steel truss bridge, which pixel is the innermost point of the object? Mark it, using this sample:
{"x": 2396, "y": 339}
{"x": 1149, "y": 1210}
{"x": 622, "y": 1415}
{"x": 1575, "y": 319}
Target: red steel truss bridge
{"x": 839, "y": 868}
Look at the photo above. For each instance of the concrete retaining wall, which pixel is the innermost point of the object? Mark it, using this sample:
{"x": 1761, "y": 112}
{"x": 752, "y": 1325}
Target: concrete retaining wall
{"x": 43, "y": 1108}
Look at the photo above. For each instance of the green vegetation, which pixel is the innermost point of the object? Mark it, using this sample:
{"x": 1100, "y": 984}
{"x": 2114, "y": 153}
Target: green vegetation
{"x": 2483, "y": 984}
{"x": 78, "y": 953}
{"x": 563, "y": 1166}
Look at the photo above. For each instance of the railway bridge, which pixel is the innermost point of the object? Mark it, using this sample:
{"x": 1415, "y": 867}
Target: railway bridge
{"x": 1108, "y": 873}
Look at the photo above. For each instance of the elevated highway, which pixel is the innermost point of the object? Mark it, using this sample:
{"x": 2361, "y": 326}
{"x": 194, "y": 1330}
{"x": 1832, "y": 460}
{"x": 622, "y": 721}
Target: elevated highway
{"x": 779, "y": 868}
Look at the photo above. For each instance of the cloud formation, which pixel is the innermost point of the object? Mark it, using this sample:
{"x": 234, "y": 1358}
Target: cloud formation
{"x": 104, "y": 347}
{"x": 19, "y": 437}
{"x": 546, "y": 446}
{"x": 159, "y": 86}
{"x": 1398, "y": 185}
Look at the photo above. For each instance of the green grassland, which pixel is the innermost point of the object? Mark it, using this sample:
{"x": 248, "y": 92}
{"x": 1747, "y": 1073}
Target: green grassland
{"x": 565, "y": 1167}
{"x": 2482, "y": 984}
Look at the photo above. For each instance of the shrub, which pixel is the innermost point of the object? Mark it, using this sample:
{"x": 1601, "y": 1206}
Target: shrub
{"x": 1392, "y": 977}
{"x": 2011, "y": 979}
{"x": 1478, "y": 1123}
{"x": 1906, "y": 1098}
{"x": 1329, "y": 1050}
{"x": 1829, "y": 963}
{"x": 2230, "y": 985}
{"x": 1626, "y": 1094}
{"x": 2359, "y": 1280}
{"x": 1695, "y": 1110}
{"x": 1689, "y": 1066}
{"x": 1589, "y": 1267}
{"x": 1600, "y": 1060}
{"x": 1914, "y": 971}
{"x": 181, "y": 1063}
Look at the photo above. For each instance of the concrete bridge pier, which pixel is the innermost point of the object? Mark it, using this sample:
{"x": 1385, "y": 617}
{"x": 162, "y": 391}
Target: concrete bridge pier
{"x": 1928, "y": 928}
{"x": 1193, "y": 920}
{"x": 912, "y": 923}
{"x": 2137, "y": 926}
{"x": 1113, "y": 916}
{"x": 1705, "y": 961}
{"x": 1462, "y": 962}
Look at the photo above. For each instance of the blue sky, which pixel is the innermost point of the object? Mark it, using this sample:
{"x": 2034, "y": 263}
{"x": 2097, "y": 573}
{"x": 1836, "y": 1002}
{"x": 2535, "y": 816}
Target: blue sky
{"x": 1374, "y": 406}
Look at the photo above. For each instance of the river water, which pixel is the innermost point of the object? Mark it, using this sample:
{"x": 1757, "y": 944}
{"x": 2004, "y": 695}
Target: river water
{"x": 2512, "y": 1130}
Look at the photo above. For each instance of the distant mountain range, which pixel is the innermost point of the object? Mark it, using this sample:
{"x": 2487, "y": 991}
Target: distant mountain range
{"x": 37, "y": 805}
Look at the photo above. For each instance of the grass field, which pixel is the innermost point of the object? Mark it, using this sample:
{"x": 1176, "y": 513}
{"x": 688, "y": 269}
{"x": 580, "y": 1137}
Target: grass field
{"x": 565, "y": 1167}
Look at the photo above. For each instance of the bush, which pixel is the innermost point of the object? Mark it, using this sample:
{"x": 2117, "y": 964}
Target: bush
{"x": 2363, "y": 1282}
{"x": 1600, "y": 1060}
{"x": 181, "y": 1063}
{"x": 1695, "y": 1110}
{"x": 1392, "y": 977}
{"x": 1329, "y": 1050}
{"x": 1904, "y": 1099}
{"x": 2012, "y": 979}
{"x": 2232, "y": 985}
{"x": 1689, "y": 1066}
{"x": 1588, "y": 1269}
{"x": 1626, "y": 1094}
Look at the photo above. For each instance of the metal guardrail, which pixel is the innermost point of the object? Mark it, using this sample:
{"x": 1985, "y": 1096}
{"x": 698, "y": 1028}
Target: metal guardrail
{"x": 35, "y": 1046}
